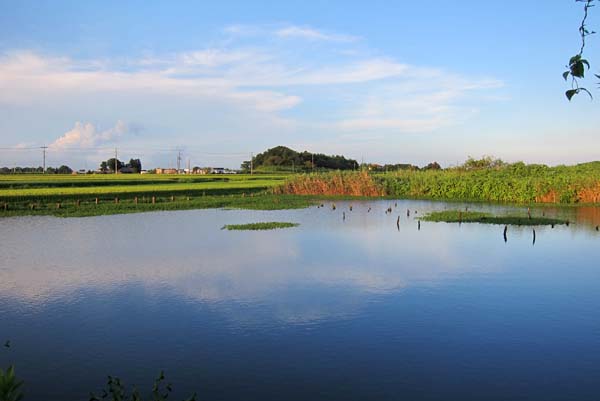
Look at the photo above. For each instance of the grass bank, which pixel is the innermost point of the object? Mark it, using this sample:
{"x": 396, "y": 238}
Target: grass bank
{"x": 90, "y": 208}
{"x": 270, "y": 225}
{"x": 458, "y": 216}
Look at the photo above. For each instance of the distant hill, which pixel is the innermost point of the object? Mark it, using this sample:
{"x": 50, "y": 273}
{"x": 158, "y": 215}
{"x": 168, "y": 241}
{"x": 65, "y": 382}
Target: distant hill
{"x": 284, "y": 158}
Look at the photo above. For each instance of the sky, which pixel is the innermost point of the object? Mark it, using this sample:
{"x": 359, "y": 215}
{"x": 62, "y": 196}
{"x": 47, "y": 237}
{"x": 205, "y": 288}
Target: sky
{"x": 379, "y": 81}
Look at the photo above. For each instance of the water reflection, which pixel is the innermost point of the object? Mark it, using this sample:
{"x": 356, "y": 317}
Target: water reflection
{"x": 45, "y": 259}
{"x": 336, "y": 308}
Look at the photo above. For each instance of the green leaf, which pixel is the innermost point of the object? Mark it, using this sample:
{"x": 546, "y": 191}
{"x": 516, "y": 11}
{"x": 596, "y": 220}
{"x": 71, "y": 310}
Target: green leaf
{"x": 570, "y": 93}
{"x": 583, "y": 61}
{"x": 566, "y": 74}
{"x": 578, "y": 70}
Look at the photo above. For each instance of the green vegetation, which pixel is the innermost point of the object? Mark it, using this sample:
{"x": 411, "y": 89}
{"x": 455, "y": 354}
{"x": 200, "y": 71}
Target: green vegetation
{"x": 458, "y": 216}
{"x": 107, "y": 207}
{"x": 270, "y": 225}
{"x": 116, "y": 391}
{"x": 513, "y": 183}
{"x": 486, "y": 180}
{"x": 281, "y": 158}
{"x": 577, "y": 64}
{"x": 10, "y": 386}
{"x": 92, "y": 195}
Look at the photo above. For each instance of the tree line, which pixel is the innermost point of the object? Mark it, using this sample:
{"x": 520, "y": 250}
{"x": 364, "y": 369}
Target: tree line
{"x": 36, "y": 170}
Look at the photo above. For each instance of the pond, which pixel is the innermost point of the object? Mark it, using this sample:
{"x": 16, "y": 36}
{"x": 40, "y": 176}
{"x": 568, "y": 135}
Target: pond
{"x": 335, "y": 309}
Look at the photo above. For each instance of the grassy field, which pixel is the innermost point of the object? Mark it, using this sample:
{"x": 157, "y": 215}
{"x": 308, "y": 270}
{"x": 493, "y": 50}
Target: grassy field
{"x": 86, "y": 195}
{"x": 70, "y": 186}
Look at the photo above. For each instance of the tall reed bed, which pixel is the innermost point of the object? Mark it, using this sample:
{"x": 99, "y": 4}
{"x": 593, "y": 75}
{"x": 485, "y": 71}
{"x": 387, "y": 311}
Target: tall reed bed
{"x": 331, "y": 184}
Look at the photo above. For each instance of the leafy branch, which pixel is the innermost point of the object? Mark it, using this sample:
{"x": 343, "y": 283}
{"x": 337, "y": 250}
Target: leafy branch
{"x": 577, "y": 64}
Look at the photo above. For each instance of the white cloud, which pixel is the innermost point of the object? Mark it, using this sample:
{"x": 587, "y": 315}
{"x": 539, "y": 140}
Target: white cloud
{"x": 309, "y": 33}
{"x": 87, "y": 135}
{"x": 240, "y": 93}
{"x": 214, "y": 57}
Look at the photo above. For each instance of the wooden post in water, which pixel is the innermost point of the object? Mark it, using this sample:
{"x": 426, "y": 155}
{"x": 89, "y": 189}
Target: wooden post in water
{"x": 58, "y": 205}
{"x": 135, "y": 200}
{"x": 172, "y": 198}
{"x": 78, "y": 202}
{"x": 153, "y": 200}
{"x": 505, "y": 230}
{"x": 116, "y": 199}
{"x": 97, "y": 201}
{"x": 398, "y": 222}
{"x": 419, "y": 225}
{"x": 534, "y": 236}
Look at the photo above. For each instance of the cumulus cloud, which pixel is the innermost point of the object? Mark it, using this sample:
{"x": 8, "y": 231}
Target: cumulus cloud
{"x": 86, "y": 135}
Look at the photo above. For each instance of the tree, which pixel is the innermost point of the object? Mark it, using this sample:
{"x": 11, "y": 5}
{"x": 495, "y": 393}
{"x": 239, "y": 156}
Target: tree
{"x": 110, "y": 164}
{"x": 245, "y": 166}
{"x": 64, "y": 170}
{"x": 135, "y": 164}
{"x": 433, "y": 166}
{"x": 577, "y": 64}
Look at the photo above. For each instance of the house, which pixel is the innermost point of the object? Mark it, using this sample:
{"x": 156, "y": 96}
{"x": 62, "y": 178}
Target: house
{"x": 166, "y": 171}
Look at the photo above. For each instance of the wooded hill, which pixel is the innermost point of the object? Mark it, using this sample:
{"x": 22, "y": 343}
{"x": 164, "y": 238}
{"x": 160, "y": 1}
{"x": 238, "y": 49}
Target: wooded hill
{"x": 284, "y": 158}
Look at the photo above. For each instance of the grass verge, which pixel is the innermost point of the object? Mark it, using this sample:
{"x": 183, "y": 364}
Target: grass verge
{"x": 457, "y": 216}
{"x": 88, "y": 207}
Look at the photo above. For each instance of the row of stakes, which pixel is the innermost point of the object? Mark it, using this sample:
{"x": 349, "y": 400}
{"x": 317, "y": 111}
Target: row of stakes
{"x": 153, "y": 200}
{"x": 389, "y": 210}
{"x": 97, "y": 201}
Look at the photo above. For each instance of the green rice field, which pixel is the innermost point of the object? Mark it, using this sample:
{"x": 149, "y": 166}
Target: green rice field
{"x": 84, "y": 195}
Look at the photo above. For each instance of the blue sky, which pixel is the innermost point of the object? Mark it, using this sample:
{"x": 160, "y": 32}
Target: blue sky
{"x": 385, "y": 81}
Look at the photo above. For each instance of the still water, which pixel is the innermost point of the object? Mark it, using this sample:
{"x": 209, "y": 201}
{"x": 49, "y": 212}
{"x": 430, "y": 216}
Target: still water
{"x": 334, "y": 309}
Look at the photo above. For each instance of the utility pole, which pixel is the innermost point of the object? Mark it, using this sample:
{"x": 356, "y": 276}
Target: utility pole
{"x": 116, "y": 162}
{"x": 189, "y": 167}
{"x": 44, "y": 153}
{"x": 251, "y": 163}
{"x": 178, "y": 161}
